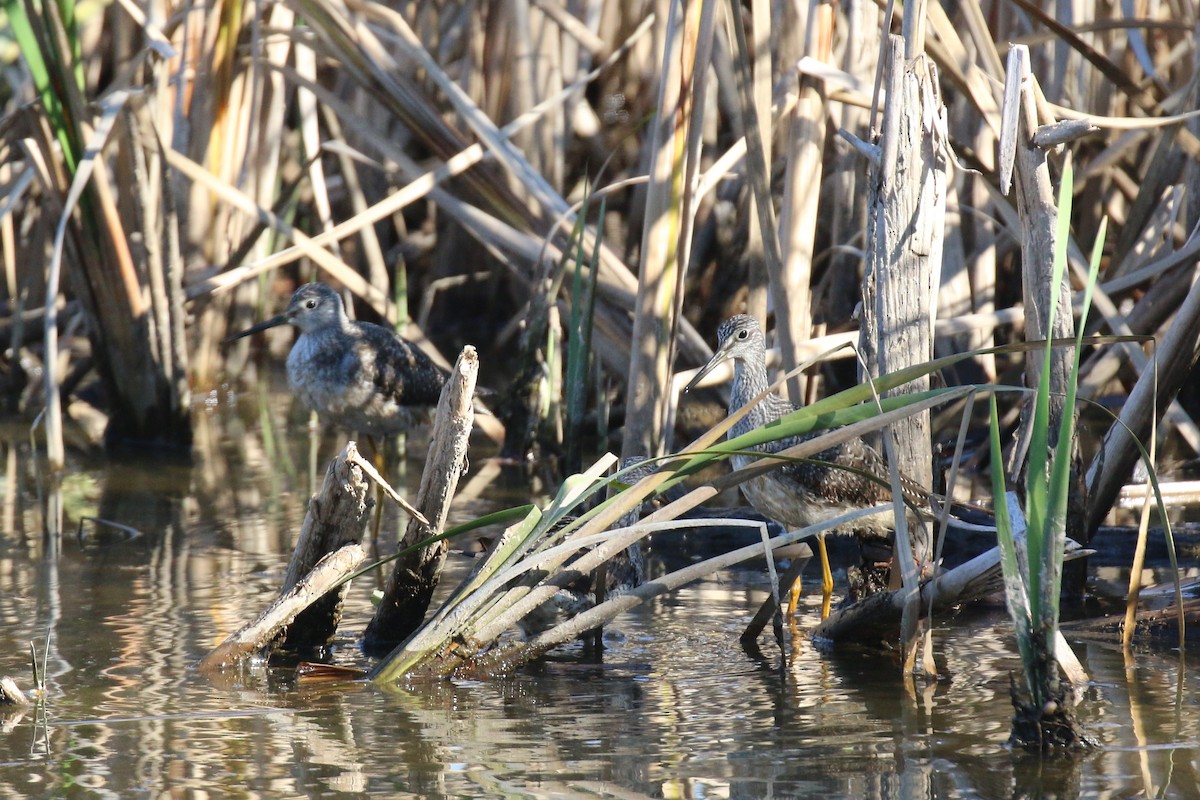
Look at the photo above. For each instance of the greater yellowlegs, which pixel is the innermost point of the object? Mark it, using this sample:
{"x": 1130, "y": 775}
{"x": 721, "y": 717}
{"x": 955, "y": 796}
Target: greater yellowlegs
{"x": 797, "y": 494}
{"x": 356, "y": 375}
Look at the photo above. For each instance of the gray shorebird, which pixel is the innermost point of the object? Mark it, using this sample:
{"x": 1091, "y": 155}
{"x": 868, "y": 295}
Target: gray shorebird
{"x": 797, "y": 494}
{"x": 356, "y": 375}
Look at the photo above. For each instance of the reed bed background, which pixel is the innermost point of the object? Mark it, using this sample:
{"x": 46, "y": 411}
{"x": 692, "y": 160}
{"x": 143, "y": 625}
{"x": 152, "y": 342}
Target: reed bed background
{"x": 582, "y": 190}
{"x": 429, "y": 158}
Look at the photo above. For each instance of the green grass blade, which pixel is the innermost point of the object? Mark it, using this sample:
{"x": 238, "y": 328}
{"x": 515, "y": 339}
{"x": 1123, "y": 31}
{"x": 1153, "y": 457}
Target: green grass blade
{"x": 1016, "y": 584}
{"x": 1060, "y": 476}
{"x": 1044, "y": 532}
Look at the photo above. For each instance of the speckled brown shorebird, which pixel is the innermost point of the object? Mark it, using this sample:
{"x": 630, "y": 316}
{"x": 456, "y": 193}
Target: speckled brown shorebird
{"x": 356, "y": 375}
{"x": 798, "y": 494}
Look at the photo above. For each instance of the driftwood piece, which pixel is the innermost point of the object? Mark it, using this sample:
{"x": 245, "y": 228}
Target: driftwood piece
{"x": 259, "y": 634}
{"x": 409, "y": 588}
{"x": 1153, "y": 626}
{"x": 11, "y": 694}
{"x": 906, "y": 220}
{"x": 308, "y": 609}
{"x": 336, "y": 517}
{"x": 877, "y": 617}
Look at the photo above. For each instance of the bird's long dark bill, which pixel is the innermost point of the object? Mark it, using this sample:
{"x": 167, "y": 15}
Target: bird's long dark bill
{"x": 712, "y": 364}
{"x": 262, "y": 326}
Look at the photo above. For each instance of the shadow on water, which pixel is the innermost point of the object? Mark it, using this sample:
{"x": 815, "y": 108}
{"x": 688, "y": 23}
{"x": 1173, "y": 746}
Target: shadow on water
{"x": 674, "y": 707}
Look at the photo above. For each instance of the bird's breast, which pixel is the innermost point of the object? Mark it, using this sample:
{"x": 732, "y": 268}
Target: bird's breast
{"x": 328, "y": 374}
{"x": 785, "y": 500}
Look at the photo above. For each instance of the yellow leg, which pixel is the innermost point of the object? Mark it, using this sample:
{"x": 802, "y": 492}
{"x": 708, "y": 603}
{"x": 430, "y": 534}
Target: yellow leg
{"x": 794, "y": 596}
{"x": 826, "y": 578}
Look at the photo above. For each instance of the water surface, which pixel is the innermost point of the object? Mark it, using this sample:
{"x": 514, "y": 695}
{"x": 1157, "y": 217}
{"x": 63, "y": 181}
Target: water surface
{"x": 673, "y": 708}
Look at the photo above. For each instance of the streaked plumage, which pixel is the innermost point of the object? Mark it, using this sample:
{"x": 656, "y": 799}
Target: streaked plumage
{"x": 804, "y": 493}
{"x": 356, "y": 375}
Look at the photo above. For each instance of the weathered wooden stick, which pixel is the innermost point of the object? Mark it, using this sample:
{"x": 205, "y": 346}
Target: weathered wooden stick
{"x": 1153, "y": 626}
{"x": 259, "y": 634}
{"x": 308, "y": 609}
{"x": 1067, "y": 130}
{"x": 409, "y": 587}
{"x": 906, "y": 220}
{"x": 1038, "y": 209}
{"x": 906, "y": 209}
{"x": 11, "y": 694}
{"x": 877, "y": 616}
{"x": 337, "y": 516}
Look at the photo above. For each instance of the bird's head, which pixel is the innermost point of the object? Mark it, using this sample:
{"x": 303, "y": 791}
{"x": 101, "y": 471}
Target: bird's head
{"x": 313, "y": 306}
{"x": 738, "y": 337}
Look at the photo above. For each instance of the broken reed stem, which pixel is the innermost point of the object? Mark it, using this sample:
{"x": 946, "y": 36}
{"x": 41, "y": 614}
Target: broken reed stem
{"x": 329, "y": 572}
{"x": 409, "y": 587}
{"x": 336, "y": 517}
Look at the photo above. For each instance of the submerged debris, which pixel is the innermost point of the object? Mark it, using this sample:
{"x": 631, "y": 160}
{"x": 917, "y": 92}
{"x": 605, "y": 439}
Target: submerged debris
{"x": 1047, "y": 728}
{"x": 11, "y": 694}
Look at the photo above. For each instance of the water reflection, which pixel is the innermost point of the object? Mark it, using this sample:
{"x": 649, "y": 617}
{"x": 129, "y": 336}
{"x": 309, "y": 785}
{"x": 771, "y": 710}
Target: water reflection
{"x": 676, "y": 708}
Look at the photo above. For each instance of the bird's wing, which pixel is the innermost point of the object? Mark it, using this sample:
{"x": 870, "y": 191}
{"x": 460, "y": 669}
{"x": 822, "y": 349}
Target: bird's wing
{"x": 832, "y": 473}
{"x": 401, "y": 371}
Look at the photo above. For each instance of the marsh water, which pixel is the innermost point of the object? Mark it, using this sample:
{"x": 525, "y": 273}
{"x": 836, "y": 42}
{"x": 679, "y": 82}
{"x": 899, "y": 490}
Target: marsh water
{"x": 674, "y": 706}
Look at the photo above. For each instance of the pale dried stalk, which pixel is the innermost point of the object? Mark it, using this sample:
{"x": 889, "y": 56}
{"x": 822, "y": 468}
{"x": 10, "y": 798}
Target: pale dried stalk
{"x": 329, "y": 572}
{"x": 410, "y": 585}
{"x": 801, "y": 193}
{"x": 906, "y": 220}
{"x": 660, "y": 270}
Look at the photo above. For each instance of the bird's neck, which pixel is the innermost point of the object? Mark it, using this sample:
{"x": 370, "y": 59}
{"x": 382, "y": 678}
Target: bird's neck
{"x": 749, "y": 381}
{"x": 315, "y": 344}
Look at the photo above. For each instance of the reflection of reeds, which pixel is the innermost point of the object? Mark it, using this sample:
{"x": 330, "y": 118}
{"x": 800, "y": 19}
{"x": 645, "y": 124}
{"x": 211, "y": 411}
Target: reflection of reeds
{"x": 394, "y": 151}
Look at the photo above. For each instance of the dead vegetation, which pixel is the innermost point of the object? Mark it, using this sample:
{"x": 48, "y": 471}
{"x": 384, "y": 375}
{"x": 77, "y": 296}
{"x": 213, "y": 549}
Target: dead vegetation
{"x": 182, "y": 168}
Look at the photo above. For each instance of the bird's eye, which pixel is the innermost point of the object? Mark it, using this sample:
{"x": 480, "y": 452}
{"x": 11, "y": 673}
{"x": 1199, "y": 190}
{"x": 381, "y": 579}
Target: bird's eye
{"x": 310, "y": 303}
{"x": 742, "y": 334}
